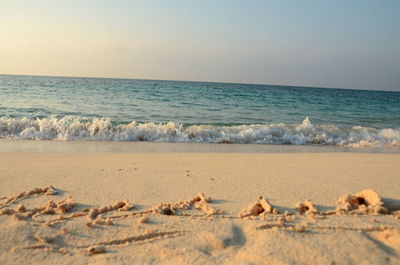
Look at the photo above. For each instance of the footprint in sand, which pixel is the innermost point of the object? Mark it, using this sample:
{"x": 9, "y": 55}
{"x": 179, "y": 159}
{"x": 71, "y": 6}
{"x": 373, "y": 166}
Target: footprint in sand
{"x": 225, "y": 239}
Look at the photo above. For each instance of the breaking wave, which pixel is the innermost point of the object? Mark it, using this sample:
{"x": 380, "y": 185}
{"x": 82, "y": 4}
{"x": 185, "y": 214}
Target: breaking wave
{"x": 103, "y": 129}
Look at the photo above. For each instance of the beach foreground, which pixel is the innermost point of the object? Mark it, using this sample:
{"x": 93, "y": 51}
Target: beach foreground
{"x": 166, "y": 221}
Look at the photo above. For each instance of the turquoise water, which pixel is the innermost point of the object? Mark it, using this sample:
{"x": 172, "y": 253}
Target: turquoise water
{"x": 67, "y": 108}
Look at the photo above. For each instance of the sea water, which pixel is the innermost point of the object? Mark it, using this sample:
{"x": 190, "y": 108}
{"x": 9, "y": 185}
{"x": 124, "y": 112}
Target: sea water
{"x": 69, "y": 108}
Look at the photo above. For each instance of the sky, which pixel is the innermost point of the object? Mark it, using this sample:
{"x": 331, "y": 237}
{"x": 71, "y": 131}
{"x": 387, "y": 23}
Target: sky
{"x": 340, "y": 44}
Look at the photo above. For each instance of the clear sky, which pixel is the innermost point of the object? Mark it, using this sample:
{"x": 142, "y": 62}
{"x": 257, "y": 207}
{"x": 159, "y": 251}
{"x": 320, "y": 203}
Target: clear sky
{"x": 341, "y": 43}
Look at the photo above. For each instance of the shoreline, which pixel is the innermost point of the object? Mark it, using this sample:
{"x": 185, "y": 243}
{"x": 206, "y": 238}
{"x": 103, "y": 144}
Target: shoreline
{"x": 82, "y": 146}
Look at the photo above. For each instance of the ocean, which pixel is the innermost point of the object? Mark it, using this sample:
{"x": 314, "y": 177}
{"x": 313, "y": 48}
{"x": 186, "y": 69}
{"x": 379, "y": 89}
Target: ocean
{"x": 100, "y": 109}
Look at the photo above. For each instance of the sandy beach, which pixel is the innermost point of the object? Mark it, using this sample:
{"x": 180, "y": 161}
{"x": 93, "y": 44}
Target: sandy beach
{"x": 199, "y": 208}
{"x": 199, "y": 132}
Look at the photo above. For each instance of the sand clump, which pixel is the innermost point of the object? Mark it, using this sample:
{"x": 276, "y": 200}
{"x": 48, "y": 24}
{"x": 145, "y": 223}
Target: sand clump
{"x": 366, "y": 201}
{"x": 50, "y": 207}
{"x": 281, "y": 221}
{"x": 200, "y": 197}
{"x": 297, "y": 228}
{"x": 118, "y": 205}
{"x": 200, "y": 202}
{"x": 164, "y": 209}
{"x": 59, "y": 207}
{"x": 44, "y": 239}
{"x": 103, "y": 221}
{"x": 92, "y": 250}
{"x": 20, "y": 208}
{"x": 306, "y": 207}
{"x": 206, "y": 209}
{"x": 48, "y": 190}
{"x": 260, "y": 206}
{"x": 143, "y": 220}
{"x": 7, "y": 211}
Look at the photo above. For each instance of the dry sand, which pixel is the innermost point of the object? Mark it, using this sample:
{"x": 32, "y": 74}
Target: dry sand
{"x": 155, "y": 208}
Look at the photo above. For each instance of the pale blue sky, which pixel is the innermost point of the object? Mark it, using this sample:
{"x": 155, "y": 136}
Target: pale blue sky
{"x": 341, "y": 43}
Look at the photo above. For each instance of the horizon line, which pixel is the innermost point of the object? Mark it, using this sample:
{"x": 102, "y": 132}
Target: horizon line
{"x": 199, "y": 81}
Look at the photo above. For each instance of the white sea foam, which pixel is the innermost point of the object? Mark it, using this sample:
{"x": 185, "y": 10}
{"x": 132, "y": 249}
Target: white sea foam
{"x": 305, "y": 133}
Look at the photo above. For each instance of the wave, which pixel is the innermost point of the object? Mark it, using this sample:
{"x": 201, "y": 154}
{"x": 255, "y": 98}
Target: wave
{"x": 103, "y": 129}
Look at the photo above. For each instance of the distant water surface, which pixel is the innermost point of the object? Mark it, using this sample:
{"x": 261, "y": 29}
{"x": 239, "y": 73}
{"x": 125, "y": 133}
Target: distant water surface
{"x": 67, "y": 108}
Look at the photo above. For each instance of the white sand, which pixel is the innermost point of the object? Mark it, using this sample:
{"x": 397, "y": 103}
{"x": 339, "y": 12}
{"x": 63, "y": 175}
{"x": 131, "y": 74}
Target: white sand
{"x": 198, "y": 232}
